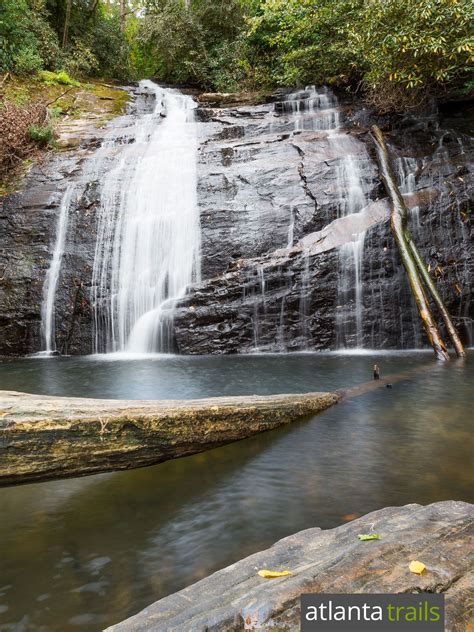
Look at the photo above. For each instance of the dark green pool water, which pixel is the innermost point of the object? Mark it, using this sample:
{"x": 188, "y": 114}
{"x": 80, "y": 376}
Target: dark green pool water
{"x": 85, "y": 553}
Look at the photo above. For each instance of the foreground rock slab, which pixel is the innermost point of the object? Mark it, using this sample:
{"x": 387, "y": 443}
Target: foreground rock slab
{"x": 43, "y": 437}
{"x": 332, "y": 561}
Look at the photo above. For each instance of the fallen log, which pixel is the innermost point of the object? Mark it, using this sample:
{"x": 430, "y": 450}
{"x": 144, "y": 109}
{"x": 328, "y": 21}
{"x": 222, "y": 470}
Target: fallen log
{"x": 43, "y": 437}
{"x": 398, "y": 221}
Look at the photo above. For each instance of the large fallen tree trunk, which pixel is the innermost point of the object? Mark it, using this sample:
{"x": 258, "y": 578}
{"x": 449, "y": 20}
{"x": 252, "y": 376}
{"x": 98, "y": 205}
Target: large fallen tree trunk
{"x": 411, "y": 258}
{"x": 43, "y": 437}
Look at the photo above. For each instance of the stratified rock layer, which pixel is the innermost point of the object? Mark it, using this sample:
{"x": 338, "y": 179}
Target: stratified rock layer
{"x": 43, "y": 437}
{"x": 332, "y": 561}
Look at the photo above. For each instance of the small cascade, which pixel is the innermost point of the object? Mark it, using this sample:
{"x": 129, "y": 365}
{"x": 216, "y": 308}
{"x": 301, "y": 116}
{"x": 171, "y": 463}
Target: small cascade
{"x": 354, "y": 182}
{"x": 258, "y": 307}
{"x": 304, "y": 299}
{"x": 52, "y": 276}
{"x": 312, "y": 109}
{"x": 148, "y": 229}
{"x": 317, "y": 110}
{"x": 405, "y": 171}
{"x": 291, "y": 228}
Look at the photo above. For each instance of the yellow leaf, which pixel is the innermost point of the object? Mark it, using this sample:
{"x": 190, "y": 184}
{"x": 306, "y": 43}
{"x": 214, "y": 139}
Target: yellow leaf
{"x": 272, "y": 574}
{"x": 417, "y": 567}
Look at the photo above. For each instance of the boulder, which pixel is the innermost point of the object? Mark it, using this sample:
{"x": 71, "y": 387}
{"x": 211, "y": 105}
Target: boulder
{"x": 332, "y": 561}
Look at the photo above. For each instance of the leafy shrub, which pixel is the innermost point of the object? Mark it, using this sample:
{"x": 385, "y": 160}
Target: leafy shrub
{"x": 183, "y": 43}
{"x": 79, "y": 60}
{"x": 41, "y": 134}
{"x": 400, "y": 51}
{"x": 110, "y": 47}
{"x": 27, "y": 61}
{"x": 414, "y": 48}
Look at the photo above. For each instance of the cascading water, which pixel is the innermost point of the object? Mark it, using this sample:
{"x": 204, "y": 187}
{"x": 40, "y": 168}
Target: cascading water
{"x": 148, "y": 241}
{"x": 405, "y": 169}
{"x": 52, "y": 276}
{"x": 354, "y": 177}
{"x": 316, "y": 110}
{"x": 354, "y": 183}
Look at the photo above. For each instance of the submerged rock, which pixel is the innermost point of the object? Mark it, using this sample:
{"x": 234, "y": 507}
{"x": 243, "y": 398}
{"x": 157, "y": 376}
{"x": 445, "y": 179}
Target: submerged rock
{"x": 332, "y": 561}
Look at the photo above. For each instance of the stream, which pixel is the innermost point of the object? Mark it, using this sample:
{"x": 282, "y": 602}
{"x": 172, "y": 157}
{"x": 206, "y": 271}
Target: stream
{"x": 82, "y": 554}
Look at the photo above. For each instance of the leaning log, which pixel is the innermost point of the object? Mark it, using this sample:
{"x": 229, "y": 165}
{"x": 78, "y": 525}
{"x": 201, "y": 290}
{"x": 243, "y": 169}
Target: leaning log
{"x": 43, "y": 437}
{"x": 398, "y": 221}
{"x": 450, "y": 328}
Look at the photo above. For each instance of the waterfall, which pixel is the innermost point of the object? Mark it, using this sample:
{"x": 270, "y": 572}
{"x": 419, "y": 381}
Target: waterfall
{"x": 148, "y": 241}
{"x": 52, "y": 275}
{"x": 353, "y": 183}
{"x": 317, "y": 110}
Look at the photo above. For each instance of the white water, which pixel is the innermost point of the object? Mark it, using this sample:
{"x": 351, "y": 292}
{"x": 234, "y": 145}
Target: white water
{"x": 353, "y": 180}
{"x": 148, "y": 229}
{"x": 353, "y": 190}
{"x": 317, "y": 110}
{"x": 405, "y": 168}
{"x": 52, "y": 275}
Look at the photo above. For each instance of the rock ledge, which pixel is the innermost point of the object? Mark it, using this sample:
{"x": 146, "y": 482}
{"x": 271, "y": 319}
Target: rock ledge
{"x": 333, "y": 561}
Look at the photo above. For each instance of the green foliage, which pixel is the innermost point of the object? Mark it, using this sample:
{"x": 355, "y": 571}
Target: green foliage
{"x": 27, "y": 60}
{"x": 401, "y": 50}
{"x": 110, "y": 47}
{"x": 79, "y": 59}
{"x": 20, "y": 49}
{"x": 415, "y": 47}
{"x": 41, "y": 134}
{"x": 191, "y": 44}
{"x": 31, "y": 32}
{"x": 62, "y": 77}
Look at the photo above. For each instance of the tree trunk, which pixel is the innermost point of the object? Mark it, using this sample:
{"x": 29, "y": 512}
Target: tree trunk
{"x": 451, "y": 329}
{"x": 398, "y": 221}
{"x": 67, "y": 19}
{"x": 93, "y": 8}
{"x": 123, "y": 13}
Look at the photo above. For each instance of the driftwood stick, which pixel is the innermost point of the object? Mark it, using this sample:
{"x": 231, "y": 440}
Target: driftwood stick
{"x": 59, "y": 97}
{"x": 398, "y": 222}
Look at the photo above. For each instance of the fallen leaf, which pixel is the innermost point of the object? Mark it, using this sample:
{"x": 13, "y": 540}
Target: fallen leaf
{"x": 368, "y": 536}
{"x": 272, "y": 574}
{"x": 417, "y": 567}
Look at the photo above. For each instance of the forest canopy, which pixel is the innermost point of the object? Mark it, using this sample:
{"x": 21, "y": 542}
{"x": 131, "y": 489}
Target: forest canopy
{"x": 398, "y": 53}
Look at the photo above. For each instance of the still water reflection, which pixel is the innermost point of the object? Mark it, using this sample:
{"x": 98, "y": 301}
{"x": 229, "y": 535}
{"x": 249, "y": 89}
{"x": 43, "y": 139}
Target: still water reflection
{"x": 82, "y": 554}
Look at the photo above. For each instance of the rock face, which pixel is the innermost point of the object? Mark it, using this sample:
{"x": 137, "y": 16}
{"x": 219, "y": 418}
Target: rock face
{"x": 270, "y": 175}
{"x": 332, "y": 561}
{"x": 45, "y": 437}
{"x": 275, "y": 185}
